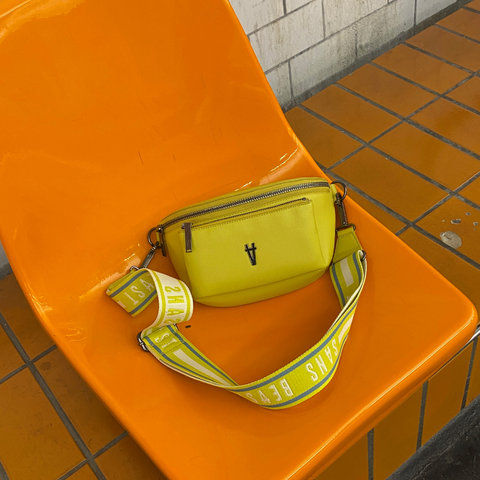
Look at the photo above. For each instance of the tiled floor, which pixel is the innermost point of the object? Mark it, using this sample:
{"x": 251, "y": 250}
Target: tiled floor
{"x": 403, "y": 132}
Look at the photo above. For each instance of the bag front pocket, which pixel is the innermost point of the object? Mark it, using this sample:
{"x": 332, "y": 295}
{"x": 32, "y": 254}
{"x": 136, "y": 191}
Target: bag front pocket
{"x": 252, "y": 249}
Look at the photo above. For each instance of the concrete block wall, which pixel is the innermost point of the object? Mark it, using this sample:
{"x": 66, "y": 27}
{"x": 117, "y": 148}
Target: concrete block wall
{"x": 304, "y": 45}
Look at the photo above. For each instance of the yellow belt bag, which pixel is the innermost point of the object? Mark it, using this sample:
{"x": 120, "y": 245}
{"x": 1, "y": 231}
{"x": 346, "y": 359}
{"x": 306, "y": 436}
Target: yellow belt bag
{"x": 245, "y": 247}
{"x": 254, "y": 244}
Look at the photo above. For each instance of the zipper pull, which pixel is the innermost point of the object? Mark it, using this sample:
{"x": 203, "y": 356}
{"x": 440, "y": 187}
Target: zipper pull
{"x": 188, "y": 237}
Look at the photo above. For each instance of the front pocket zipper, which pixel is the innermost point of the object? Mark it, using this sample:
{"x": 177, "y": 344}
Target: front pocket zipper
{"x": 189, "y": 226}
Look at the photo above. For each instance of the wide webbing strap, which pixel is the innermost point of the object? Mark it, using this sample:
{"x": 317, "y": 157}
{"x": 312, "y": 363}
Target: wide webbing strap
{"x": 136, "y": 290}
{"x": 294, "y": 383}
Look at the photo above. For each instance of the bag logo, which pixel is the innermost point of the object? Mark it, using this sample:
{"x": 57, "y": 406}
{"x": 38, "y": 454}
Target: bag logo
{"x": 251, "y": 253}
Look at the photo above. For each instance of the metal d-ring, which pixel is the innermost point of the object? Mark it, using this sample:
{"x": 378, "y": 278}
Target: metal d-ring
{"x": 364, "y": 256}
{"x": 345, "y": 189}
{"x": 149, "y": 236}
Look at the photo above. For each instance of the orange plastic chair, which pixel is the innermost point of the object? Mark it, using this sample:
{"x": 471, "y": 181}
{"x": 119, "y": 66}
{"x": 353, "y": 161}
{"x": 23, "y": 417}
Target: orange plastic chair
{"x": 112, "y": 115}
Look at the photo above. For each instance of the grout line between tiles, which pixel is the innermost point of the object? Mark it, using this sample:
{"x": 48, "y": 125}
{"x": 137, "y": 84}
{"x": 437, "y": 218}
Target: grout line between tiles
{"x": 432, "y": 208}
{"x": 3, "y": 473}
{"x": 410, "y": 169}
{"x": 370, "y": 438}
{"x": 388, "y": 130}
{"x": 401, "y": 77}
{"x": 53, "y": 400}
{"x": 437, "y": 57}
{"x": 75, "y": 469}
{"x": 467, "y": 201}
{"x": 471, "y": 262}
{"x": 422, "y": 414}
{"x": 469, "y": 374}
{"x": 22, "y": 367}
{"x": 368, "y": 197}
{"x": 110, "y": 444}
{"x": 457, "y": 33}
{"x": 368, "y": 100}
{"x": 465, "y": 184}
{"x": 466, "y": 7}
{"x": 402, "y": 230}
{"x": 432, "y": 133}
{"x": 346, "y": 157}
{"x": 67, "y": 422}
{"x": 329, "y": 122}
{"x": 346, "y": 132}
{"x": 13, "y": 373}
{"x": 462, "y": 105}
{"x": 43, "y": 354}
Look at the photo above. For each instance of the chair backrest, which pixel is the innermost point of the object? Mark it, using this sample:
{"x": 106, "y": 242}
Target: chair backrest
{"x": 112, "y": 115}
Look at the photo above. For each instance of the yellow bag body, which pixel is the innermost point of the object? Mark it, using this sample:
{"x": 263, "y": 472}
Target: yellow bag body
{"x": 253, "y": 244}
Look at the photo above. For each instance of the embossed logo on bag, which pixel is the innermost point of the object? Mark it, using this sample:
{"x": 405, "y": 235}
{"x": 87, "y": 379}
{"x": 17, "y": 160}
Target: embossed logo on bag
{"x": 251, "y": 253}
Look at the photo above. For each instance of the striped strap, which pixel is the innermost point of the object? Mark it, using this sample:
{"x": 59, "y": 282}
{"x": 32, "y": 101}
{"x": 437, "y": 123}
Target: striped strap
{"x": 296, "y": 382}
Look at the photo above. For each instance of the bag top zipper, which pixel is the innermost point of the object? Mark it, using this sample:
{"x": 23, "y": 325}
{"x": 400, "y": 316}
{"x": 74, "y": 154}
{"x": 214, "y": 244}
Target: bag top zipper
{"x": 243, "y": 201}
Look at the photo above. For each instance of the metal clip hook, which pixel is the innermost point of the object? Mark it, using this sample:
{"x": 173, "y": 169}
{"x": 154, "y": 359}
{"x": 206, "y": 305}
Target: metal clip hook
{"x": 151, "y": 253}
{"x": 342, "y": 213}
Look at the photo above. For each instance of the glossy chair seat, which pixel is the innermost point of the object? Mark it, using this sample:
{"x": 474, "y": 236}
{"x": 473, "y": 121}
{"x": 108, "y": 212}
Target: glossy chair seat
{"x": 113, "y": 115}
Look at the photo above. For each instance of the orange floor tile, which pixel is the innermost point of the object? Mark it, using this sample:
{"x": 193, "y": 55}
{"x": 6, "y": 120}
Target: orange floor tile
{"x": 387, "y": 90}
{"x": 464, "y": 22}
{"x": 475, "y": 5}
{"x": 9, "y": 357}
{"x": 428, "y": 155}
{"x": 458, "y": 217}
{"x": 14, "y": 306}
{"x": 449, "y": 46}
{"x": 32, "y": 436}
{"x": 452, "y": 122}
{"x": 421, "y": 68}
{"x": 462, "y": 274}
{"x": 350, "y": 112}
{"x": 409, "y": 156}
{"x": 125, "y": 461}
{"x": 472, "y": 191}
{"x": 325, "y": 144}
{"x": 399, "y": 189}
{"x": 93, "y": 421}
{"x": 468, "y": 93}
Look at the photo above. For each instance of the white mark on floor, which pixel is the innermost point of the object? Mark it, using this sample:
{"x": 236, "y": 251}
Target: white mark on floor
{"x": 451, "y": 239}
